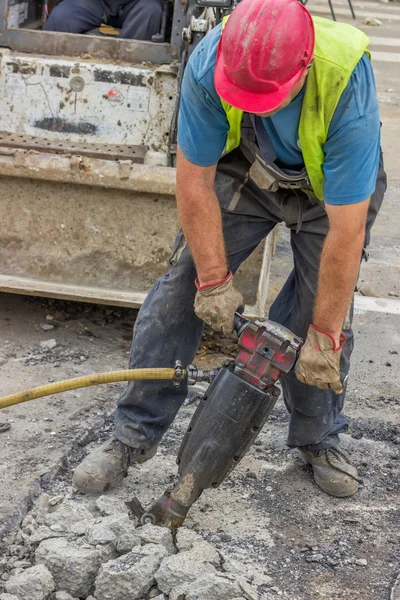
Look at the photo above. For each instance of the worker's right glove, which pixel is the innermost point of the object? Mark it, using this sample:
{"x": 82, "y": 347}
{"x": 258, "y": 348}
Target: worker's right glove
{"x": 216, "y": 304}
{"x": 319, "y": 361}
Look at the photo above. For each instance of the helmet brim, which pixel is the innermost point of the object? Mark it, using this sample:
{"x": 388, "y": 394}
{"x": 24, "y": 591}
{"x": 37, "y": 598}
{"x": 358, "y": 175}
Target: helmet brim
{"x": 251, "y": 102}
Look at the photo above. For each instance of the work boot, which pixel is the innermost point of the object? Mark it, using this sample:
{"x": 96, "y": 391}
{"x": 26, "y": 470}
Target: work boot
{"x": 105, "y": 467}
{"x": 333, "y": 472}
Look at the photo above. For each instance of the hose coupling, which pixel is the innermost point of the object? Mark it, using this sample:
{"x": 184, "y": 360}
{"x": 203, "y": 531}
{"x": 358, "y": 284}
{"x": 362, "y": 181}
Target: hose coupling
{"x": 179, "y": 375}
{"x": 192, "y": 374}
{"x": 195, "y": 375}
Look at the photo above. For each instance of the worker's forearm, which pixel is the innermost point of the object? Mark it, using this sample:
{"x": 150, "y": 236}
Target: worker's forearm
{"x": 200, "y": 218}
{"x": 338, "y": 273}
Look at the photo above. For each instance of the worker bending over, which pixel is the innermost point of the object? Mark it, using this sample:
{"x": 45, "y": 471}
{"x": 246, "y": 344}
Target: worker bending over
{"x": 278, "y": 123}
{"x": 138, "y": 19}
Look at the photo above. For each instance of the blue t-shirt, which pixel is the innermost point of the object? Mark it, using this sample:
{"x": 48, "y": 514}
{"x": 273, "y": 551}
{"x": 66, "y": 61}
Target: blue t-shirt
{"x": 351, "y": 150}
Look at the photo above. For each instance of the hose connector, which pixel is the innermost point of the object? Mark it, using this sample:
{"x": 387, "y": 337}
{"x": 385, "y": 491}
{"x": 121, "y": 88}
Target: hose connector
{"x": 180, "y": 374}
{"x": 195, "y": 375}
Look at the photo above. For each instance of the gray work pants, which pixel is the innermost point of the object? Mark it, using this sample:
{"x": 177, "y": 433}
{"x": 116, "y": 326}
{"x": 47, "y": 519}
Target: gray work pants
{"x": 167, "y": 328}
{"x": 138, "y": 19}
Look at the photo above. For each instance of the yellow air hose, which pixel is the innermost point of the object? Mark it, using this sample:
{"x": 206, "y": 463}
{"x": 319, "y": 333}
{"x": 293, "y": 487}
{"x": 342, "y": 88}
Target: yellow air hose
{"x": 86, "y": 381}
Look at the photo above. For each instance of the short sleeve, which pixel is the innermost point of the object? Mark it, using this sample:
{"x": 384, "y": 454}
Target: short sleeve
{"x": 202, "y": 123}
{"x": 353, "y": 146}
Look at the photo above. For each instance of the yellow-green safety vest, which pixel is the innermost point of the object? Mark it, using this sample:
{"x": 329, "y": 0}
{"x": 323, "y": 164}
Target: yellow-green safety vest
{"x": 338, "y": 49}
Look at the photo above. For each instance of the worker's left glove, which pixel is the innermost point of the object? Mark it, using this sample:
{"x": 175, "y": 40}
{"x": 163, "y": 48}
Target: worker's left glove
{"x": 319, "y": 362}
{"x": 216, "y": 304}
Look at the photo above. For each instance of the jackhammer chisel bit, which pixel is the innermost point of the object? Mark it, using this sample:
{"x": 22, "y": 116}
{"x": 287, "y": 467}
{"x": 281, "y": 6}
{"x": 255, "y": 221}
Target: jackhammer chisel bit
{"x": 229, "y": 417}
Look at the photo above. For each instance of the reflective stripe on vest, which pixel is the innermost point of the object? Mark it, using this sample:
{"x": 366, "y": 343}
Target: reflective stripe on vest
{"x": 338, "y": 49}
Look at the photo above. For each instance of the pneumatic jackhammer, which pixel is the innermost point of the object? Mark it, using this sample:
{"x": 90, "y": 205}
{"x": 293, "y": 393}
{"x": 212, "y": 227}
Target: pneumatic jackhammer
{"x": 229, "y": 417}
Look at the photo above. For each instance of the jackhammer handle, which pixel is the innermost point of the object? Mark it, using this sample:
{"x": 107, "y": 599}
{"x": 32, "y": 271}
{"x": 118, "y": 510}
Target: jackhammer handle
{"x": 239, "y": 323}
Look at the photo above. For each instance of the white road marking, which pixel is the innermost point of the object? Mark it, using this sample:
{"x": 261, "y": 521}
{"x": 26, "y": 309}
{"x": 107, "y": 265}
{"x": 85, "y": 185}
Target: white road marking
{"x": 380, "y": 9}
{"x": 382, "y": 41}
{"x": 363, "y": 304}
{"x": 345, "y": 12}
{"x": 388, "y": 98}
{"x": 385, "y": 56}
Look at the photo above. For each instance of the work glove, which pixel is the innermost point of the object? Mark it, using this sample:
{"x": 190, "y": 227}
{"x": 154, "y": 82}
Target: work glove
{"x": 319, "y": 361}
{"x": 216, "y": 304}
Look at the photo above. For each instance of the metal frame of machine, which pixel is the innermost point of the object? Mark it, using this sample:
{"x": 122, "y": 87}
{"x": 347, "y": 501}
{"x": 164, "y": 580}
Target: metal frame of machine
{"x": 105, "y": 48}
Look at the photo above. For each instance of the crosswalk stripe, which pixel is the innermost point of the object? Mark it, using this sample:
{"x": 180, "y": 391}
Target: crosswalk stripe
{"x": 358, "y": 8}
{"x": 382, "y": 41}
{"x": 385, "y": 56}
{"x": 363, "y": 304}
{"x": 388, "y": 98}
{"x": 346, "y": 12}
{"x": 389, "y": 7}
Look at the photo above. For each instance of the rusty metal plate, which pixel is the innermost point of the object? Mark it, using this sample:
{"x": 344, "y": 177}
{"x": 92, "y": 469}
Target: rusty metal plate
{"x": 133, "y": 153}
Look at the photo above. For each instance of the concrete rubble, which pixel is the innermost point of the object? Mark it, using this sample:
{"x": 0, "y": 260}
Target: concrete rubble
{"x": 68, "y": 551}
{"x": 63, "y": 596}
{"x": 35, "y": 583}
{"x": 130, "y": 576}
{"x": 119, "y": 531}
{"x": 73, "y": 565}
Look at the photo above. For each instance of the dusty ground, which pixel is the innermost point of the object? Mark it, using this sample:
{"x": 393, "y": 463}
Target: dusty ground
{"x": 297, "y": 542}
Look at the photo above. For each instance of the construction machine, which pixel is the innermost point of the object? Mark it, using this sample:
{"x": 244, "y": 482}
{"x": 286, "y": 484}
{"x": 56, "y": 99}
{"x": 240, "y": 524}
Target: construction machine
{"x": 88, "y": 130}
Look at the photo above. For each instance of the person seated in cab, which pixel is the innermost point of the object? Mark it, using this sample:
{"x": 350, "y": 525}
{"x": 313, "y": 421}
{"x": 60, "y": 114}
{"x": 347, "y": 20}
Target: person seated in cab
{"x": 137, "y": 19}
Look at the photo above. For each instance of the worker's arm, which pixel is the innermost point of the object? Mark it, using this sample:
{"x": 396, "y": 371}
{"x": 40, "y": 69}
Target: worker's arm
{"x": 339, "y": 266}
{"x": 319, "y": 362}
{"x": 200, "y": 218}
{"x": 352, "y": 154}
{"x": 202, "y": 135}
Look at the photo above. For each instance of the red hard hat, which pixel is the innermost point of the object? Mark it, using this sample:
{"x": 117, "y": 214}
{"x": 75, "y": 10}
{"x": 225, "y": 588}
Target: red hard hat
{"x": 264, "y": 49}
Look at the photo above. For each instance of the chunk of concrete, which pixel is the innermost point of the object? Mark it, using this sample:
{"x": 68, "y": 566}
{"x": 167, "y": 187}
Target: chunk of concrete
{"x": 35, "y": 583}
{"x": 153, "y": 534}
{"x": 54, "y": 500}
{"x": 109, "y": 506}
{"x": 8, "y": 597}
{"x": 64, "y": 596}
{"x": 182, "y": 568}
{"x": 67, "y": 515}
{"x": 185, "y": 538}
{"x": 29, "y": 524}
{"x": 80, "y": 528}
{"x": 205, "y": 552}
{"x": 211, "y": 586}
{"x": 131, "y": 576}
{"x": 248, "y": 591}
{"x": 395, "y": 592}
{"x": 43, "y": 533}
{"x": 176, "y": 594}
{"x": 74, "y": 566}
{"x": 41, "y": 508}
{"x": 115, "y": 529}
